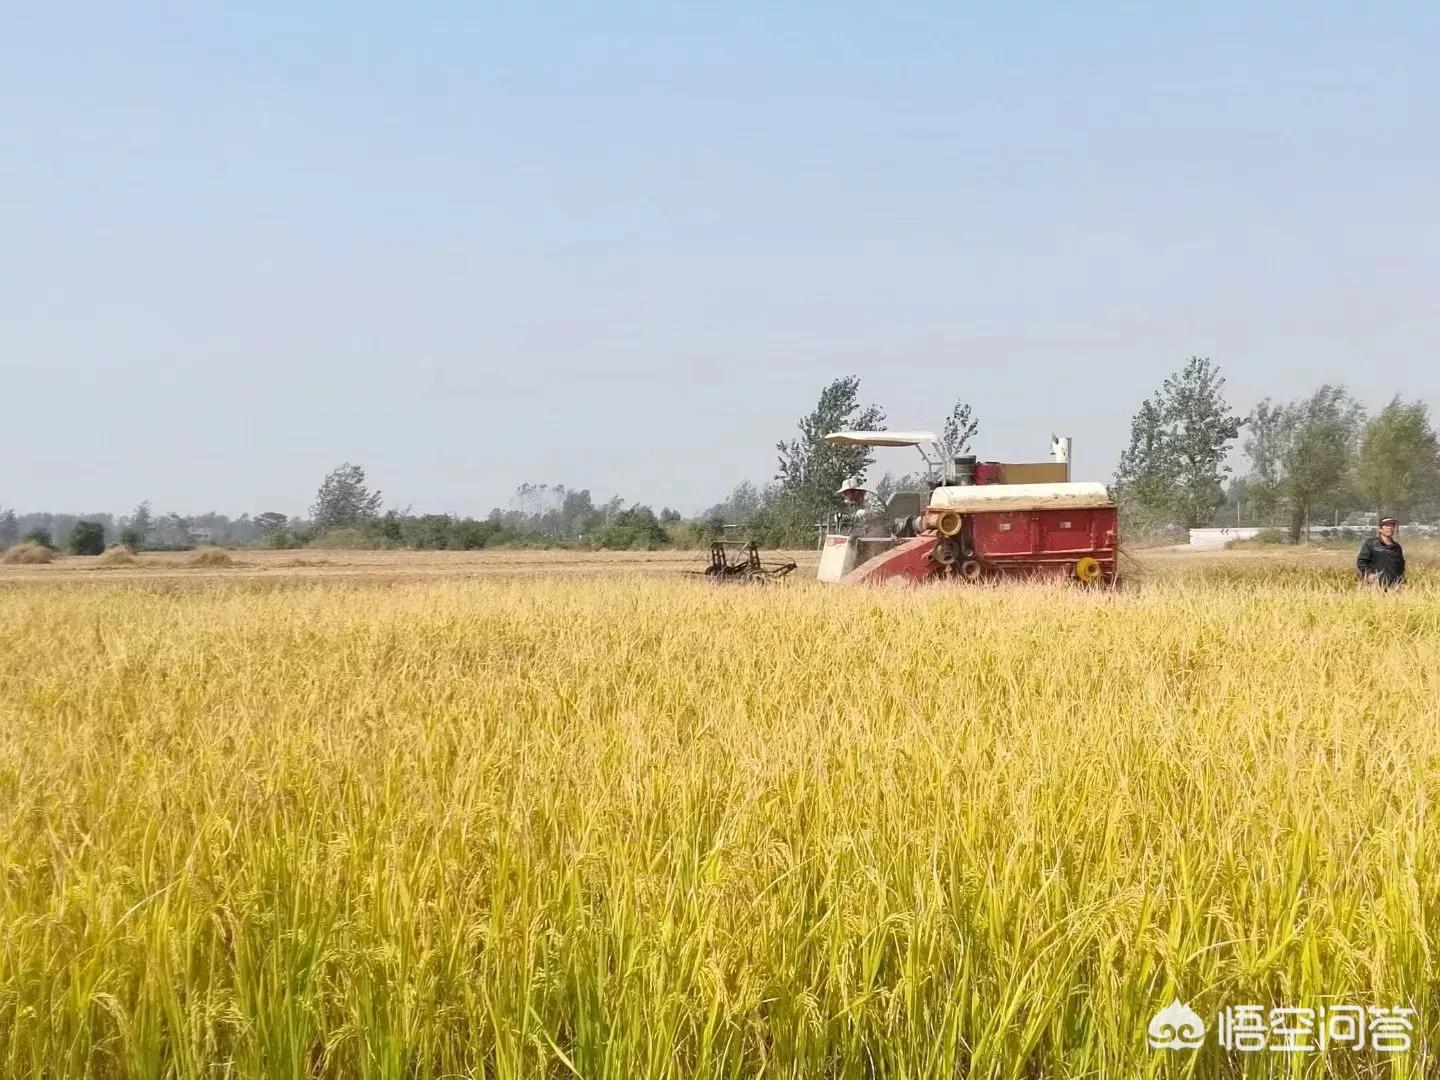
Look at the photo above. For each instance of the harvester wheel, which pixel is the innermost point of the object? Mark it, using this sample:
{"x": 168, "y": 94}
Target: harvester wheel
{"x": 970, "y": 570}
{"x": 946, "y": 552}
{"x": 1087, "y": 569}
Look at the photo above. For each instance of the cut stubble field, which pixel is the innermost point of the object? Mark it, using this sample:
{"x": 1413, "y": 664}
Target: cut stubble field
{"x": 422, "y": 816}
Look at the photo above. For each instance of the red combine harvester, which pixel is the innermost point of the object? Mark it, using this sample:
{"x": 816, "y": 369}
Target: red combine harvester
{"x": 979, "y": 521}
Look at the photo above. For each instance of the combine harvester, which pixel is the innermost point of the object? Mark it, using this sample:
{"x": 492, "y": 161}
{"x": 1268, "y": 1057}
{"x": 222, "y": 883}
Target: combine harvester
{"x": 980, "y": 521}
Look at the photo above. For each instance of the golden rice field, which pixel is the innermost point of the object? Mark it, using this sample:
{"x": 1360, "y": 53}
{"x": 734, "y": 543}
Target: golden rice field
{"x": 633, "y": 826}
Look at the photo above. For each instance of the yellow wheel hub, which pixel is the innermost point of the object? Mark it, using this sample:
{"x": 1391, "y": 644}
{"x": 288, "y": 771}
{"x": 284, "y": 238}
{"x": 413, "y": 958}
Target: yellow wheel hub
{"x": 1087, "y": 569}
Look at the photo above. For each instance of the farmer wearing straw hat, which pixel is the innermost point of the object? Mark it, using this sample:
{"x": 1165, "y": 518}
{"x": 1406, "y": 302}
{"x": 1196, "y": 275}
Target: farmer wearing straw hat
{"x": 863, "y": 511}
{"x": 1382, "y": 560}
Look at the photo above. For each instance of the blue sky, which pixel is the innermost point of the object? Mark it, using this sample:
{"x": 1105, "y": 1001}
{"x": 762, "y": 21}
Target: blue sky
{"x": 623, "y": 246}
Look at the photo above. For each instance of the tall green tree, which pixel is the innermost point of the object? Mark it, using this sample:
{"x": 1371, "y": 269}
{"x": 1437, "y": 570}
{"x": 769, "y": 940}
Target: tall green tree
{"x": 959, "y": 430}
{"x": 1174, "y": 467}
{"x": 1318, "y": 437}
{"x": 1398, "y": 467}
{"x": 174, "y": 530}
{"x": 1264, "y": 445}
{"x": 344, "y": 500}
{"x": 270, "y": 521}
{"x": 810, "y": 470}
{"x": 742, "y": 504}
{"x": 1200, "y": 428}
{"x": 1146, "y": 473}
{"x": 9, "y": 528}
{"x": 138, "y": 528}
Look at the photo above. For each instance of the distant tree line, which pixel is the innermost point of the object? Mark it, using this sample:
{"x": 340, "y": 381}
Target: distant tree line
{"x": 139, "y": 530}
{"x": 346, "y": 512}
{"x": 1319, "y": 459}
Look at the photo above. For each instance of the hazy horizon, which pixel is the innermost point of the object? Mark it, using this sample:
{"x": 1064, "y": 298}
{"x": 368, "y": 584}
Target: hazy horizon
{"x": 624, "y": 250}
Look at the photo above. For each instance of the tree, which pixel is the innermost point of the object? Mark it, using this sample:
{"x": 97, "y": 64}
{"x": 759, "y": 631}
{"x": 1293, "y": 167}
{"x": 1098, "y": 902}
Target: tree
{"x": 1200, "y": 429}
{"x": 1264, "y": 447}
{"x": 633, "y": 529}
{"x": 1317, "y": 450}
{"x": 430, "y": 532}
{"x": 1237, "y": 498}
{"x": 886, "y": 486}
{"x": 577, "y": 511}
{"x": 389, "y": 530}
{"x": 1398, "y": 467}
{"x": 9, "y": 528}
{"x": 175, "y": 531}
{"x": 960, "y": 427}
{"x": 39, "y": 536}
{"x": 467, "y": 534}
{"x": 810, "y": 470}
{"x": 270, "y": 522}
{"x": 137, "y": 529}
{"x": 87, "y": 538}
{"x": 1175, "y": 463}
{"x": 1146, "y": 473}
{"x": 739, "y": 508}
{"x": 344, "y": 500}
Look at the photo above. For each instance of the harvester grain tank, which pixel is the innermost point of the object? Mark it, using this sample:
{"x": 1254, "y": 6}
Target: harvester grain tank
{"x": 979, "y": 521}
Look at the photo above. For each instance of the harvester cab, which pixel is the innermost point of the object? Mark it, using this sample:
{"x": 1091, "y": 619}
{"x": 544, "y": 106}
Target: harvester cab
{"x": 854, "y": 537}
{"x": 978, "y": 520}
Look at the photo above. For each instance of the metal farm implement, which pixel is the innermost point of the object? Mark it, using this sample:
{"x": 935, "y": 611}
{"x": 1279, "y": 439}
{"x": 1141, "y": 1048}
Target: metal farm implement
{"x": 739, "y": 561}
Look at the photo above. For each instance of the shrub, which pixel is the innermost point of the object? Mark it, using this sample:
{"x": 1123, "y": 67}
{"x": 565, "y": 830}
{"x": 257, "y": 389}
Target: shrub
{"x": 387, "y": 531}
{"x": 27, "y": 553}
{"x": 39, "y": 536}
{"x": 697, "y": 533}
{"x": 467, "y": 534}
{"x": 636, "y": 529}
{"x": 428, "y": 531}
{"x": 87, "y": 538}
{"x": 285, "y": 539}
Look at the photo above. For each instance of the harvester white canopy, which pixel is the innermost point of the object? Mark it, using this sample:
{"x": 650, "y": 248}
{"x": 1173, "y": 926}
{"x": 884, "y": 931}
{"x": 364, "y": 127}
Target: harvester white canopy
{"x": 880, "y": 438}
{"x": 972, "y": 498}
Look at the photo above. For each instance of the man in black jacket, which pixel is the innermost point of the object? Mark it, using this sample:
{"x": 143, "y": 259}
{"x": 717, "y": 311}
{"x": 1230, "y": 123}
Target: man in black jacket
{"x": 1381, "y": 559}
